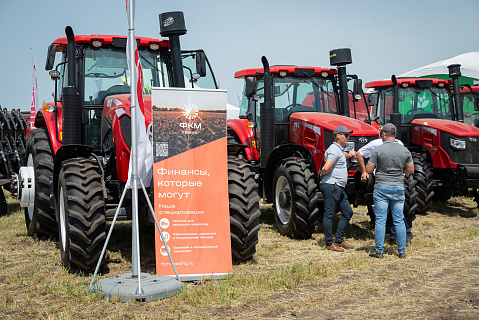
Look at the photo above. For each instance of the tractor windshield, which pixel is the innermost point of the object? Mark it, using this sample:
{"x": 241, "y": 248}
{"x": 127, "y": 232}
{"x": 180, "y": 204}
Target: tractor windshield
{"x": 302, "y": 94}
{"x": 471, "y": 112}
{"x": 106, "y": 73}
{"x": 415, "y": 103}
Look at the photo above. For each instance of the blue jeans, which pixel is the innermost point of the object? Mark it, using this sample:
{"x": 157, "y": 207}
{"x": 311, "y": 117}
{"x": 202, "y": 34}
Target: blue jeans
{"x": 335, "y": 197}
{"x": 392, "y": 197}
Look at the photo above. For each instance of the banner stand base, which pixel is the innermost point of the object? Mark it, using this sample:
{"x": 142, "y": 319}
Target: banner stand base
{"x": 125, "y": 287}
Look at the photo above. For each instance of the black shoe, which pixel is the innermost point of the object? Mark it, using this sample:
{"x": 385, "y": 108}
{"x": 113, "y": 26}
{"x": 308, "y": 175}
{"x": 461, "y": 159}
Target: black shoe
{"x": 376, "y": 254}
{"x": 402, "y": 255}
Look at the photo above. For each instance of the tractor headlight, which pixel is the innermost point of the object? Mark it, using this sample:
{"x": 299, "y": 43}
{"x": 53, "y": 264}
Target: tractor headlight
{"x": 457, "y": 144}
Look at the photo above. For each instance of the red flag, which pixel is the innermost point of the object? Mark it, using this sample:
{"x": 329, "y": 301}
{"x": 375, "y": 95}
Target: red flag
{"x": 145, "y": 149}
{"x": 34, "y": 105}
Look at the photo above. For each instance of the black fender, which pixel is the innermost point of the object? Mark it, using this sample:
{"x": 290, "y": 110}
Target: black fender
{"x": 277, "y": 154}
{"x": 68, "y": 152}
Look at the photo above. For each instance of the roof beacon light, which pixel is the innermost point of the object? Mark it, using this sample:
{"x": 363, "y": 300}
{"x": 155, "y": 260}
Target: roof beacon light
{"x": 96, "y": 43}
{"x": 154, "y": 46}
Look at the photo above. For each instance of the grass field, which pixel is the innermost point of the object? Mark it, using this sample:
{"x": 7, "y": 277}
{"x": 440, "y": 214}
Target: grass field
{"x": 288, "y": 279}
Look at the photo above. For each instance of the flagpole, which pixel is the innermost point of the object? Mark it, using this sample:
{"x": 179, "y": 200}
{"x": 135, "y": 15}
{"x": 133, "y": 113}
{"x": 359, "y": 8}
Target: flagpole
{"x": 135, "y": 251}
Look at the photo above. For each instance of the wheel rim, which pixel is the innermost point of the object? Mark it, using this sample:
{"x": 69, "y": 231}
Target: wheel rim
{"x": 282, "y": 199}
{"x": 63, "y": 232}
{"x": 30, "y": 165}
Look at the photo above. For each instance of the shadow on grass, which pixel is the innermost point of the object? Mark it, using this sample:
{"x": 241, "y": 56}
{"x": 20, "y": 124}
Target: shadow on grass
{"x": 454, "y": 207}
{"x": 121, "y": 243}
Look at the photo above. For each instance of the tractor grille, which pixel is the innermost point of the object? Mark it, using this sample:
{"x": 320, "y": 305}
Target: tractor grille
{"x": 468, "y": 156}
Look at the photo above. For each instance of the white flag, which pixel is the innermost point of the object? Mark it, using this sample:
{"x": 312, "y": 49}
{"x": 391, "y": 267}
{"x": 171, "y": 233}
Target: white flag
{"x": 34, "y": 105}
{"x": 145, "y": 150}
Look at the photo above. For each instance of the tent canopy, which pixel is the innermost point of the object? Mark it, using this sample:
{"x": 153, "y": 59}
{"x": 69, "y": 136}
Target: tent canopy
{"x": 469, "y": 68}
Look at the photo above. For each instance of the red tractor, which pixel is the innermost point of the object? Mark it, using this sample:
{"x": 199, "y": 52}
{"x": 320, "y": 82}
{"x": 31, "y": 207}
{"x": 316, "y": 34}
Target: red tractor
{"x": 287, "y": 118}
{"x": 77, "y": 159}
{"x": 444, "y": 146}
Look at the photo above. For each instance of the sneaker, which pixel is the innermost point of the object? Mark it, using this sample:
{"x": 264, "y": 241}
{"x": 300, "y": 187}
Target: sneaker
{"x": 402, "y": 255}
{"x": 375, "y": 254}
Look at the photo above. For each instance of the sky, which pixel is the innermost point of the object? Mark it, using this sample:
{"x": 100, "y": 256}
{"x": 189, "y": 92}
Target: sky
{"x": 385, "y": 37}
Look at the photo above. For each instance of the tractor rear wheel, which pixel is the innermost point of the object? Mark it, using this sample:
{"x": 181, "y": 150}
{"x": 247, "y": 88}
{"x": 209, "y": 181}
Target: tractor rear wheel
{"x": 3, "y": 204}
{"x": 244, "y": 209}
{"x": 424, "y": 185}
{"x": 410, "y": 198}
{"x": 81, "y": 210}
{"x": 40, "y": 219}
{"x": 296, "y": 198}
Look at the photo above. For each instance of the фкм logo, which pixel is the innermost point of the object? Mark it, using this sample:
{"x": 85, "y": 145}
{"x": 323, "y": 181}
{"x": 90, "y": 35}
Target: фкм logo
{"x": 168, "y": 21}
{"x": 190, "y": 111}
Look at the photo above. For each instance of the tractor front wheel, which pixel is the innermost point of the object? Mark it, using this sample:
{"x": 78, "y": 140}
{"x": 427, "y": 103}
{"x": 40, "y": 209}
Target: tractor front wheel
{"x": 40, "y": 219}
{"x": 81, "y": 213}
{"x": 410, "y": 198}
{"x": 244, "y": 209}
{"x": 424, "y": 184}
{"x": 295, "y": 199}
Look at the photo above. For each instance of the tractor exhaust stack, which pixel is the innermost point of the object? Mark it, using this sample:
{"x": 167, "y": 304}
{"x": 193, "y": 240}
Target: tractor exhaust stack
{"x": 341, "y": 58}
{"x": 172, "y": 25}
{"x": 72, "y": 104}
{"x": 454, "y": 74}
{"x": 267, "y": 116}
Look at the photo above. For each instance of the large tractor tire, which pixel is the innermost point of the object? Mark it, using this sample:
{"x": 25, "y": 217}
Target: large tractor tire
{"x": 81, "y": 213}
{"x": 424, "y": 185}
{"x": 295, "y": 199}
{"x": 4, "y": 211}
{"x": 410, "y": 198}
{"x": 244, "y": 209}
{"x": 40, "y": 219}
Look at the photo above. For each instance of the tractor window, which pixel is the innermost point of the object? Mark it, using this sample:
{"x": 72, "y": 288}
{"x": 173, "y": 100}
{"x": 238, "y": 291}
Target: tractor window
{"x": 106, "y": 73}
{"x": 302, "y": 95}
{"x": 471, "y": 115}
{"x": 415, "y": 103}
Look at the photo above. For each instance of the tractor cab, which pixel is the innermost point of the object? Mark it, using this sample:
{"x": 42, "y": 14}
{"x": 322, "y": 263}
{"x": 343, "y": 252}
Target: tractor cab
{"x": 417, "y": 99}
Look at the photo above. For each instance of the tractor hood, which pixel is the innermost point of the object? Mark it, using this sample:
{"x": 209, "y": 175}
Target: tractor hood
{"x": 329, "y": 121}
{"x": 453, "y": 127}
{"x": 122, "y": 101}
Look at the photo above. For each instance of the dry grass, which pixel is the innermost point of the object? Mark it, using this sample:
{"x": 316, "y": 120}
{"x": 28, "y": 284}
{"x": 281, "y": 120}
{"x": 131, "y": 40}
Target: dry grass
{"x": 289, "y": 279}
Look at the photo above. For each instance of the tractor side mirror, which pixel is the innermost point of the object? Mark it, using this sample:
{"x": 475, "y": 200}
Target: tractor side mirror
{"x": 358, "y": 89}
{"x": 250, "y": 87}
{"x": 201, "y": 63}
{"x": 372, "y": 99}
{"x": 50, "y": 57}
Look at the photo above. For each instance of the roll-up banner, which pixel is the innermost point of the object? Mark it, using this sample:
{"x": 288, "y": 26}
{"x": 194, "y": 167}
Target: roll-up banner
{"x": 190, "y": 175}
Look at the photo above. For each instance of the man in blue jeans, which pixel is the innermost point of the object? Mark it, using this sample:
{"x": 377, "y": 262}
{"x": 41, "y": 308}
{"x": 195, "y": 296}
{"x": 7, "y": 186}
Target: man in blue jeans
{"x": 391, "y": 161}
{"x": 334, "y": 176}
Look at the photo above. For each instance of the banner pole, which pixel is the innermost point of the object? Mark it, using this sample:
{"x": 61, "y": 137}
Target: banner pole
{"x": 135, "y": 252}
